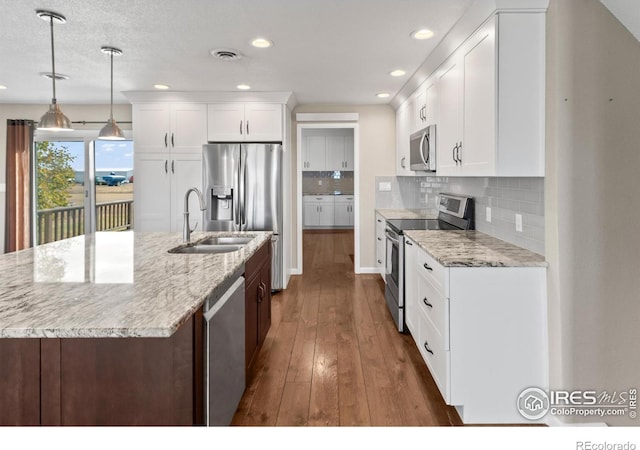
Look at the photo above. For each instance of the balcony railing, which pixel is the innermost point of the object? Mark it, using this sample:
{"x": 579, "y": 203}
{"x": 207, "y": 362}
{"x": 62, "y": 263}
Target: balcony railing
{"x": 61, "y": 223}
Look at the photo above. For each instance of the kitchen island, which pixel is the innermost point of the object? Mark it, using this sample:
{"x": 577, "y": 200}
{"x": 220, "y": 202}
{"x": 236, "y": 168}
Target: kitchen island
{"x": 107, "y": 329}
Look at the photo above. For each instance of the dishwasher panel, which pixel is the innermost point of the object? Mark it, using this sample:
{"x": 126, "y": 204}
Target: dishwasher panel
{"x": 225, "y": 359}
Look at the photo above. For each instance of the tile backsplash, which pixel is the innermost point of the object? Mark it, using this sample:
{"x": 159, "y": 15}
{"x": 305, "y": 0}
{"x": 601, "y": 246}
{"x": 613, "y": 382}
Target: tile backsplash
{"x": 505, "y": 196}
{"x": 332, "y": 182}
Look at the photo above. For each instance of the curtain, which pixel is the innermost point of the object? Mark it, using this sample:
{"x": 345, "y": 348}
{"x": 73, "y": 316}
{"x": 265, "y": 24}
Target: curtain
{"x": 18, "y": 178}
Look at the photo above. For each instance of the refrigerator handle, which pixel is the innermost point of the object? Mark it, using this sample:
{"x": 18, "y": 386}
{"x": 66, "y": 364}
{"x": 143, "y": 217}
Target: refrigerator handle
{"x": 243, "y": 209}
{"x": 236, "y": 194}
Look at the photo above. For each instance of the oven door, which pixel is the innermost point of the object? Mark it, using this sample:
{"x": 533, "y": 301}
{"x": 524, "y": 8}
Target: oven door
{"x": 392, "y": 269}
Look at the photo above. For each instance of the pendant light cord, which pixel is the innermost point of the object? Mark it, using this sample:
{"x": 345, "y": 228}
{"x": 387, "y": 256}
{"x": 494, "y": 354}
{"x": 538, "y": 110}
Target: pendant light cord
{"x": 111, "y": 109}
{"x": 53, "y": 63}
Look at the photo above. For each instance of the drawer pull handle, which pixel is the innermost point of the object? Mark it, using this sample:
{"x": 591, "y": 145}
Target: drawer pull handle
{"x": 379, "y": 221}
{"x": 426, "y": 266}
{"x": 379, "y": 239}
{"x": 426, "y": 302}
{"x": 426, "y": 347}
{"x": 379, "y": 262}
{"x": 408, "y": 243}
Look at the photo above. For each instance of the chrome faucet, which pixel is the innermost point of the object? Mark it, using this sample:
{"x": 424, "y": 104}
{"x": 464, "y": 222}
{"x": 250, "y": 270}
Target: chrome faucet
{"x": 186, "y": 228}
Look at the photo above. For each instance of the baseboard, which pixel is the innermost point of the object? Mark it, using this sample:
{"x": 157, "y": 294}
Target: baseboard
{"x": 294, "y": 271}
{"x": 367, "y": 270}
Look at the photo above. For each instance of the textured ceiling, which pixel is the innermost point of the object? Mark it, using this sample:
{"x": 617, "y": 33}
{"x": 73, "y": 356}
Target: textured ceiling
{"x": 326, "y": 51}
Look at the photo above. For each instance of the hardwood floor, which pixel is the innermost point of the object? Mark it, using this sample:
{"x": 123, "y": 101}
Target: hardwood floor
{"x": 333, "y": 356}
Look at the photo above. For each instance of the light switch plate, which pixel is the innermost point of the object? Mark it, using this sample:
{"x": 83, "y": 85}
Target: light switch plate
{"x": 519, "y": 222}
{"x": 488, "y": 210}
{"x": 384, "y": 186}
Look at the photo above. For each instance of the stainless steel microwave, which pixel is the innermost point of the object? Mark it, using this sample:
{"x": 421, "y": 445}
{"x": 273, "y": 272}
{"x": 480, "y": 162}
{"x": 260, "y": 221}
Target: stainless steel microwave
{"x": 422, "y": 150}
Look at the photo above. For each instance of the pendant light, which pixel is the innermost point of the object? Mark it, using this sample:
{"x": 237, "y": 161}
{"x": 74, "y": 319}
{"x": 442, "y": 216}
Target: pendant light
{"x": 53, "y": 119}
{"x": 111, "y": 131}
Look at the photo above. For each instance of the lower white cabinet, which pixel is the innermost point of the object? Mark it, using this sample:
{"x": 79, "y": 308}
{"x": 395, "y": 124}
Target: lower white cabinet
{"x": 343, "y": 211}
{"x": 327, "y": 211}
{"x": 162, "y": 179}
{"x": 481, "y": 332}
{"x": 381, "y": 244}
{"x": 318, "y": 210}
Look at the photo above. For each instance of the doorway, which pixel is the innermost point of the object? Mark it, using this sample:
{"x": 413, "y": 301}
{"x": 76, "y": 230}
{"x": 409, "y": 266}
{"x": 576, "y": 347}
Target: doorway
{"x": 327, "y": 186}
{"x": 81, "y": 185}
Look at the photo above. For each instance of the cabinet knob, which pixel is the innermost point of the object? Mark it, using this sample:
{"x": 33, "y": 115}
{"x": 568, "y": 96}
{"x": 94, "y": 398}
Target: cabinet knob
{"x": 426, "y": 347}
{"x": 247, "y": 128}
{"x": 426, "y": 266}
{"x": 426, "y": 302}
{"x": 172, "y": 142}
{"x": 165, "y": 139}
{"x": 241, "y": 127}
{"x": 402, "y": 162}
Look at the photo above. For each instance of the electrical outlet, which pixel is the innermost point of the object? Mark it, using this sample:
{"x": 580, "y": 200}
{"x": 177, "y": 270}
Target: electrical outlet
{"x": 384, "y": 186}
{"x": 488, "y": 210}
{"x": 319, "y": 182}
{"x": 519, "y": 222}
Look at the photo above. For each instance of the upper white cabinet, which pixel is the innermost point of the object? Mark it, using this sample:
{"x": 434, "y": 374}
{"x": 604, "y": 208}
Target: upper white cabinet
{"x": 487, "y": 101}
{"x": 403, "y": 118}
{"x": 238, "y": 122}
{"x": 327, "y": 150}
{"x": 175, "y": 127}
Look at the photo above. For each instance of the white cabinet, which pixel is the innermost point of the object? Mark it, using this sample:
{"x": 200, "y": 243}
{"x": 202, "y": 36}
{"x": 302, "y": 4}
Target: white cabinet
{"x": 403, "y": 118}
{"x": 481, "y": 332}
{"x": 450, "y": 116}
{"x": 327, "y": 152}
{"x": 318, "y": 211}
{"x": 339, "y": 153}
{"x": 238, "y": 122}
{"x": 169, "y": 127}
{"x": 381, "y": 244}
{"x": 418, "y": 103}
{"x": 491, "y": 101}
{"x": 343, "y": 211}
{"x": 168, "y": 141}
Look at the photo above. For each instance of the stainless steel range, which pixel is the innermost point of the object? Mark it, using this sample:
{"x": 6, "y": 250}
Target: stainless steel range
{"x": 455, "y": 213}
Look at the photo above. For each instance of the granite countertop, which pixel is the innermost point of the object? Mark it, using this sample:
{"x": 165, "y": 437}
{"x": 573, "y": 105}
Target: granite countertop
{"x": 111, "y": 284}
{"x": 407, "y": 214}
{"x": 334, "y": 193}
{"x": 473, "y": 249}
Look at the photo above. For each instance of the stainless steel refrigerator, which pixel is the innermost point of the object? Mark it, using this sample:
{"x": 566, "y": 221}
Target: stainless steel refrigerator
{"x": 243, "y": 191}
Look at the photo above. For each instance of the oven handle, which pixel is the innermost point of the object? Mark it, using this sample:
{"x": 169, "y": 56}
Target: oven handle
{"x": 391, "y": 238}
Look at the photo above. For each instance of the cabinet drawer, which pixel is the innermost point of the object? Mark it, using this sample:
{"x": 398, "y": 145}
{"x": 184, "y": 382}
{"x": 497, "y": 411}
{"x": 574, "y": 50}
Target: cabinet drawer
{"x": 435, "y": 306}
{"x": 343, "y": 199}
{"x": 435, "y": 355}
{"x": 318, "y": 198}
{"x": 437, "y": 274}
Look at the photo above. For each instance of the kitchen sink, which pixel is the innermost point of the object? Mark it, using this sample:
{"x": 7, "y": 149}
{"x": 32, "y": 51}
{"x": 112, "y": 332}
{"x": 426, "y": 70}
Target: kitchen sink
{"x": 198, "y": 248}
{"x": 225, "y": 240}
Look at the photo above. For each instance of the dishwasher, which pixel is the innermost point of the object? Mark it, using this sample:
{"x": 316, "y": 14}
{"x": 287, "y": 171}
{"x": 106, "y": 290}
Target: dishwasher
{"x": 225, "y": 380}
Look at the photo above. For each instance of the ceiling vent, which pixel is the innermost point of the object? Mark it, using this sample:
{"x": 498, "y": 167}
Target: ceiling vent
{"x": 59, "y": 76}
{"x": 226, "y": 54}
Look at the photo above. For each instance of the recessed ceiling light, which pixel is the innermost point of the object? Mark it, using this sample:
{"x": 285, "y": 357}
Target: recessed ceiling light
{"x": 2, "y": 87}
{"x": 397, "y": 73}
{"x": 383, "y": 95}
{"x": 162, "y": 87}
{"x": 261, "y": 42}
{"x": 422, "y": 34}
{"x": 243, "y": 87}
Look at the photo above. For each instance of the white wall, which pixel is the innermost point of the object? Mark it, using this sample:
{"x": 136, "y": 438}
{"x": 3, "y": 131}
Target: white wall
{"x": 87, "y": 113}
{"x": 377, "y": 157}
{"x": 593, "y": 158}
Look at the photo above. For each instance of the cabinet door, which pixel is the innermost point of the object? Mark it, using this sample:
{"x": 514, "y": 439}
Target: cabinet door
{"x": 411, "y": 289}
{"x": 419, "y": 103}
{"x": 342, "y": 213}
{"x": 225, "y": 122}
{"x": 263, "y": 122}
{"x": 151, "y": 127}
{"x": 479, "y": 150}
{"x": 314, "y": 153}
{"x": 152, "y": 193}
{"x": 251, "y": 293}
{"x": 264, "y": 302}
{"x": 449, "y": 116}
{"x": 188, "y": 127}
{"x": 335, "y": 153}
{"x": 311, "y": 214}
{"x": 349, "y": 157}
{"x": 186, "y": 172}
{"x": 327, "y": 215}
{"x": 402, "y": 139}
{"x": 431, "y": 106}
